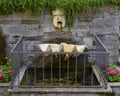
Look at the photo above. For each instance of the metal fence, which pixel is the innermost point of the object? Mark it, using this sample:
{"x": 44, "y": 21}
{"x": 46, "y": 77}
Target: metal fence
{"x": 33, "y": 68}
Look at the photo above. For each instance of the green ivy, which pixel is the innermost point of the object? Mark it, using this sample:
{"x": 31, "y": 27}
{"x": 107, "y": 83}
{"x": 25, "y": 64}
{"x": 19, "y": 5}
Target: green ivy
{"x": 33, "y": 6}
{"x": 69, "y": 7}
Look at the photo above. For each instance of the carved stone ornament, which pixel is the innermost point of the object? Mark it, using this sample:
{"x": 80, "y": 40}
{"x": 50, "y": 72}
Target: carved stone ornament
{"x": 58, "y": 19}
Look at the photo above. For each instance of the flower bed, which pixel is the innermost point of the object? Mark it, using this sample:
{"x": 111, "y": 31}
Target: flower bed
{"x": 113, "y": 72}
{"x": 5, "y": 75}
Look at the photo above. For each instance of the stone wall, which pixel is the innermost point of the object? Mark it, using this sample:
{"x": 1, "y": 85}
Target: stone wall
{"x": 104, "y": 21}
{"x": 61, "y": 92}
{"x": 4, "y": 89}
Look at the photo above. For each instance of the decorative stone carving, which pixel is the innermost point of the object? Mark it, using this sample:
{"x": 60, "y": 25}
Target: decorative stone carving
{"x": 58, "y": 19}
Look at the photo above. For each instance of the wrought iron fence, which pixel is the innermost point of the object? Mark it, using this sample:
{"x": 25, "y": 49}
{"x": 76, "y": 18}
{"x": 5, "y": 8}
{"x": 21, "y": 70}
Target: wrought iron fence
{"x": 33, "y": 68}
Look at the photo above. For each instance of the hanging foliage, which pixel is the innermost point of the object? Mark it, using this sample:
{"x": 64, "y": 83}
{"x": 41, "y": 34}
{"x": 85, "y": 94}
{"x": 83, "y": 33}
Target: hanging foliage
{"x": 69, "y": 7}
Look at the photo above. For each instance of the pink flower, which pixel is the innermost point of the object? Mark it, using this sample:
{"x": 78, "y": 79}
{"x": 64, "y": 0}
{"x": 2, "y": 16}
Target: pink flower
{"x": 118, "y": 71}
{"x": 111, "y": 72}
{"x": 109, "y": 69}
{"x": 1, "y": 75}
{"x": 105, "y": 64}
{"x": 10, "y": 71}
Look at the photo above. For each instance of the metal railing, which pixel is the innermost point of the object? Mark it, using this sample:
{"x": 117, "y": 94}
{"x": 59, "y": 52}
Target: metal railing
{"x": 32, "y": 68}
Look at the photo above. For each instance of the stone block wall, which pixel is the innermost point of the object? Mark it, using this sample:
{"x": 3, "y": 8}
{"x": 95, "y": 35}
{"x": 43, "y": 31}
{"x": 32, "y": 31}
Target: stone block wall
{"x": 4, "y": 89}
{"x": 104, "y": 21}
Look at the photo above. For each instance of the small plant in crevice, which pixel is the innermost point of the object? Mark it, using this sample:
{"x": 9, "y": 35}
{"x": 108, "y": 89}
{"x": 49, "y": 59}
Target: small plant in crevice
{"x": 5, "y": 75}
{"x": 113, "y": 72}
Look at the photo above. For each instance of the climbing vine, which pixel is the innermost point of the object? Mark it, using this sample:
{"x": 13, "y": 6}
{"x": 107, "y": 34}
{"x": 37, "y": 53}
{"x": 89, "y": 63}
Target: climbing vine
{"x": 69, "y": 7}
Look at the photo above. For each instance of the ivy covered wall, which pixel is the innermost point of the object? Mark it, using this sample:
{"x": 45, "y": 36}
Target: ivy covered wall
{"x": 69, "y": 7}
